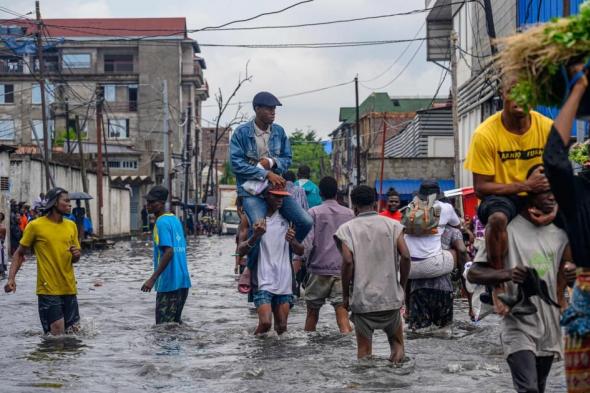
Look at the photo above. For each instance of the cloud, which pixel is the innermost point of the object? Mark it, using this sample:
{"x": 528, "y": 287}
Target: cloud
{"x": 287, "y": 71}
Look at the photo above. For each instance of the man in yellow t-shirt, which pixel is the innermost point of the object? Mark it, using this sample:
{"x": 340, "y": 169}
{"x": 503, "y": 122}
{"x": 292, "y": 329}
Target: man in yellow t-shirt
{"x": 55, "y": 244}
{"x": 504, "y": 148}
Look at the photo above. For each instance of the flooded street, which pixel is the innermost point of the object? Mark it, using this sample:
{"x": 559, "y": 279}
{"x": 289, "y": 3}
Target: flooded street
{"x": 121, "y": 350}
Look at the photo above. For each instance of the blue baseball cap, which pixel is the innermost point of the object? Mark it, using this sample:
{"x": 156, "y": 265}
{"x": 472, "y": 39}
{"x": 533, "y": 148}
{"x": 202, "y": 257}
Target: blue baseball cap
{"x": 264, "y": 98}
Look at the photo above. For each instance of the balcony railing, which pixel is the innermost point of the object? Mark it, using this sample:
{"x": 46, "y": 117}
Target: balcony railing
{"x": 10, "y": 66}
{"x": 129, "y": 106}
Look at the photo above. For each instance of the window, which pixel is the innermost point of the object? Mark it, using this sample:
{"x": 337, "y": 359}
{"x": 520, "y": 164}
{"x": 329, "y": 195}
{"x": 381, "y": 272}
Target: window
{"x": 36, "y": 93}
{"x": 83, "y": 131}
{"x": 118, "y": 128}
{"x": 6, "y": 94}
{"x": 132, "y": 90}
{"x": 4, "y": 183}
{"x": 110, "y": 93}
{"x": 118, "y": 63}
{"x": 76, "y": 60}
{"x": 129, "y": 164}
{"x": 38, "y": 129}
{"x": 123, "y": 164}
{"x": 7, "y": 130}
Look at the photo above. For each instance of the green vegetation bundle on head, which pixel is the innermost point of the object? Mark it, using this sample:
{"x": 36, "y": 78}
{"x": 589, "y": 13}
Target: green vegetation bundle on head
{"x": 580, "y": 153}
{"x": 539, "y": 58}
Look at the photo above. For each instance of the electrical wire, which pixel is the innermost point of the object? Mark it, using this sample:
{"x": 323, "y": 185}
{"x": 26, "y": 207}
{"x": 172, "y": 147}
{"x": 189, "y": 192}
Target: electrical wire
{"x": 397, "y": 58}
{"x": 246, "y": 28}
{"x": 289, "y": 95}
{"x": 400, "y": 73}
{"x": 319, "y": 45}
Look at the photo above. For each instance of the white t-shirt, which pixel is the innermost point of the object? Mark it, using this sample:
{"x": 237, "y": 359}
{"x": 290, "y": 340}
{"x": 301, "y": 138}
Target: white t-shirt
{"x": 429, "y": 246}
{"x": 274, "y": 264}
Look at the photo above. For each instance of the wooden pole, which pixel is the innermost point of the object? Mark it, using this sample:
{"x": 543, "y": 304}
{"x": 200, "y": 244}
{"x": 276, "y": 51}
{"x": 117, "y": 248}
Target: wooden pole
{"x": 455, "y": 108}
{"x": 358, "y": 131}
{"x": 99, "y": 125}
{"x": 42, "y": 88}
{"x": 382, "y": 161}
{"x": 82, "y": 165}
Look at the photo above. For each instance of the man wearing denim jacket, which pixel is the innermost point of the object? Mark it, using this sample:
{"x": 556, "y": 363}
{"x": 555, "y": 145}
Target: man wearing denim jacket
{"x": 259, "y": 151}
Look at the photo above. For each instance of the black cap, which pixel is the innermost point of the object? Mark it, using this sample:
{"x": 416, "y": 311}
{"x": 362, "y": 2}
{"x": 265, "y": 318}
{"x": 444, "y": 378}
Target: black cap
{"x": 157, "y": 193}
{"x": 264, "y": 98}
{"x": 429, "y": 187}
{"x": 51, "y": 197}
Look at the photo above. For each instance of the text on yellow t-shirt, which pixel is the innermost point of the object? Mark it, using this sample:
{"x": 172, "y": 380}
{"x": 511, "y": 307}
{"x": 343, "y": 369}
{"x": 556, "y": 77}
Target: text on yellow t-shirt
{"x": 51, "y": 244}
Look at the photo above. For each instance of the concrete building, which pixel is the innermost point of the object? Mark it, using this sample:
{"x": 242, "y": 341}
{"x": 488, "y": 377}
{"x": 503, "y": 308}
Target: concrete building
{"x": 380, "y": 115}
{"x": 423, "y": 149}
{"x": 90, "y": 58}
{"x": 477, "y": 82}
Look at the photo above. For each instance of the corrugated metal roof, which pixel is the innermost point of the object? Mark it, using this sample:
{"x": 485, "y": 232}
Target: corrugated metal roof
{"x": 412, "y": 141}
{"x": 346, "y": 113}
{"x": 539, "y": 11}
{"x": 383, "y": 103}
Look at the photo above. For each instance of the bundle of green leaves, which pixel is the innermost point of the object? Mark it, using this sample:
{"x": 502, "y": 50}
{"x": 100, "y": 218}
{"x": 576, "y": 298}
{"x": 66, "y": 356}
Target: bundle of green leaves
{"x": 579, "y": 153}
{"x": 539, "y": 57}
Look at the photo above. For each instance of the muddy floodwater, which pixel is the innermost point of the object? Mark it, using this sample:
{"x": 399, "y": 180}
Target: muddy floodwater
{"x": 121, "y": 350}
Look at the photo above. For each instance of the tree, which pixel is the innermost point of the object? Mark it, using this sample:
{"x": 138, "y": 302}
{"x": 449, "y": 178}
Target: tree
{"x": 62, "y": 137}
{"x": 220, "y": 131}
{"x": 228, "y": 174}
{"x": 308, "y": 150}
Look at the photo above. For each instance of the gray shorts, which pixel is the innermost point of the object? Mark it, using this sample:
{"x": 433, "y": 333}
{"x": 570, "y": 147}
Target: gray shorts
{"x": 318, "y": 289}
{"x": 366, "y": 323}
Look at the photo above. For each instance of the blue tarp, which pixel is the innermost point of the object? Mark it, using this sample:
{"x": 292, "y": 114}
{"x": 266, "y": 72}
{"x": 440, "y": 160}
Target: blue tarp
{"x": 406, "y": 187}
{"x": 27, "y": 46}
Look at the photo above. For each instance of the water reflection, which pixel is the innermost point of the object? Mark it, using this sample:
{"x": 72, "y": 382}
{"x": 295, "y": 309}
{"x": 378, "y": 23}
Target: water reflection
{"x": 52, "y": 348}
{"x": 119, "y": 349}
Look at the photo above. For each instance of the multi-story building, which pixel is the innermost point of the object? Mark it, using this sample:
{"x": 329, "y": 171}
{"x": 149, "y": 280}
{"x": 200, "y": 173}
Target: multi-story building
{"x": 381, "y": 118}
{"x": 125, "y": 63}
{"x": 475, "y": 26}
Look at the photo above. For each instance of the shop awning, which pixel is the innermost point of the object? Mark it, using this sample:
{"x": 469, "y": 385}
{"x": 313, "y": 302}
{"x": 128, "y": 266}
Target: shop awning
{"x": 407, "y": 187}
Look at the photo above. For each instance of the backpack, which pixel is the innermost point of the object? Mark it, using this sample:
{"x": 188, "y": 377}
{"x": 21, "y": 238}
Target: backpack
{"x": 421, "y": 218}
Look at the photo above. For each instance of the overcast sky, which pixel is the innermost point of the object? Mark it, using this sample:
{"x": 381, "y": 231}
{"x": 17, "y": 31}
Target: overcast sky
{"x": 287, "y": 71}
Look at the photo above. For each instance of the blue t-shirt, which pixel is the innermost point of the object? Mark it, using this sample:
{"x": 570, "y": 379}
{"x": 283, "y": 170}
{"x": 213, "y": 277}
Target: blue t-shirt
{"x": 168, "y": 232}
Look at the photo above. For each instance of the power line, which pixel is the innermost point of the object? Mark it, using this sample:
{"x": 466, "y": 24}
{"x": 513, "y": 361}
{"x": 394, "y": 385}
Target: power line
{"x": 400, "y": 73}
{"x": 397, "y": 59}
{"x": 14, "y": 13}
{"x": 289, "y": 95}
{"x": 246, "y": 28}
{"x": 319, "y": 45}
{"x": 257, "y": 16}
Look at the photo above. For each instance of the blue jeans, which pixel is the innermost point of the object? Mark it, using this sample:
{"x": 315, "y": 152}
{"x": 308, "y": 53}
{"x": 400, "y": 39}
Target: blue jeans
{"x": 255, "y": 208}
{"x": 266, "y": 297}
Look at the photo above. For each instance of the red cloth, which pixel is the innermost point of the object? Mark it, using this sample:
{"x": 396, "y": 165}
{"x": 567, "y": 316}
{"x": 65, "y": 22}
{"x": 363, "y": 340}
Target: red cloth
{"x": 23, "y": 222}
{"x": 397, "y": 215}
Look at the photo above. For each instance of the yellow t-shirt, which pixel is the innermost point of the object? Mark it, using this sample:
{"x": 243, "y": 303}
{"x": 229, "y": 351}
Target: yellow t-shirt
{"x": 497, "y": 152}
{"x": 51, "y": 243}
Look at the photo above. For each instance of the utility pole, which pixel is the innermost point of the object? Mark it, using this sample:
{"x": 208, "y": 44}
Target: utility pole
{"x": 382, "y": 160}
{"x": 566, "y": 8}
{"x": 455, "y": 107}
{"x": 187, "y": 161}
{"x": 42, "y": 88}
{"x": 99, "y": 98}
{"x": 82, "y": 164}
{"x": 491, "y": 28}
{"x": 358, "y": 131}
{"x": 67, "y": 127}
{"x": 197, "y": 164}
{"x": 166, "y": 141}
